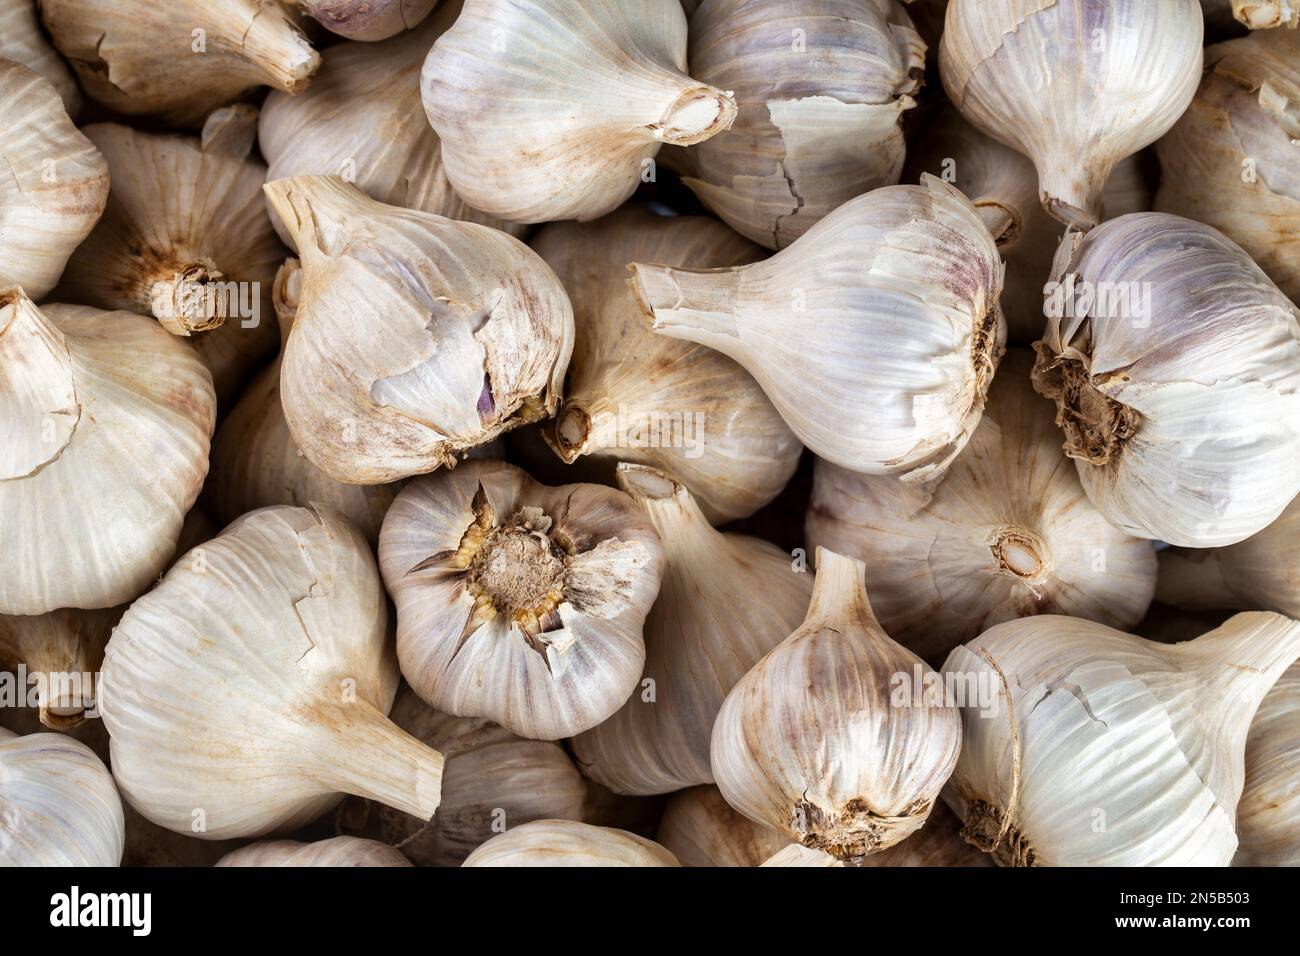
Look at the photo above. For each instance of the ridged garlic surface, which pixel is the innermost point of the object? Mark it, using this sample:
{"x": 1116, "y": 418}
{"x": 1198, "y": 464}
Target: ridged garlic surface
{"x": 1085, "y": 746}
{"x": 248, "y": 691}
{"x": 23, "y": 41}
{"x": 106, "y": 421}
{"x": 555, "y": 109}
{"x": 417, "y": 337}
{"x": 700, "y": 828}
{"x": 938, "y": 843}
{"x": 519, "y": 602}
{"x": 1268, "y": 816}
{"x": 367, "y": 20}
{"x": 337, "y": 851}
{"x": 644, "y": 398}
{"x": 62, "y": 652}
{"x": 564, "y": 843}
{"x": 1175, "y": 366}
{"x": 875, "y": 335}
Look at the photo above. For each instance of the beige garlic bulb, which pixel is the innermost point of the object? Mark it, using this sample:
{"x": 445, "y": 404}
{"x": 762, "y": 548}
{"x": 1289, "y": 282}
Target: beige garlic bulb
{"x": 106, "y": 421}
{"x": 519, "y": 602}
{"x": 726, "y": 600}
{"x": 1175, "y": 366}
{"x": 338, "y": 851}
{"x": 248, "y": 691}
{"x": 367, "y": 20}
{"x": 181, "y": 59}
{"x": 821, "y": 87}
{"x": 1268, "y": 816}
{"x": 555, "y": 109}
{"x": 639, "y": 397}
{"x": 880, "y": 368}
{"x": 814, "y": 742}
{"x": 1006, "y": 533}
{"x": 58, "y": 805}
{"x": 61, "y": 653}
{"x": 1076, "y": 87}
{"x": 700, "y": 828}
{"x": 417, "y": 337}
{"x": 564, "y": 843}
{"x": 802, "y": 856}
{"x": 23, "y": 41}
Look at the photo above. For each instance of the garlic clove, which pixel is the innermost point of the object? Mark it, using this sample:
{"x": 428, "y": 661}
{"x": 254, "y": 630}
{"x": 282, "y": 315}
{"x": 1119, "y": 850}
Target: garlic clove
{"x": 23, "y": 41}
{"x": 1268, "y": 816}
{"x": 700, "y": 829}
{"x": 564, "y": 843}
{"x": 367, "y": 20}
{"x": 61, "y": 653}
{"x": 339, "y": 851}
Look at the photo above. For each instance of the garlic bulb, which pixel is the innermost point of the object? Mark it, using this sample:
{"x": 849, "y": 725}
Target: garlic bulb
{"x": 1175, "y": 366}
{"x": 56, "y": 187}
{"x": 638, "y": 397}
{"x": 248, "y": 690}
{"x": 701, "y": 829}
{"x": 555, "y": 109}
{"x": 561, "y": 843}
{"x": 881, "y": 368}
{"x": 821, "y": 87}
{"x": 1076, "y": 87}
{"x": 106, "y": 420}
{"x": 1006, "y": 533}
{"x": 725, "y": 601}
{"x": 59, "y": 804}
{"x": 23, "y": 41}
{"x": 1085, "y": 746}
{"x": 1233, "y": 160}
{"x": 417, "y": 337}
{"x": 939, "y": 843}
{"x": 148, "y": 844}
{"x": 1268, "y": 816}
{"x": 519, "y": 602}
{"x": 367, "y": 19}
{"x": 796, "y": 855}
{"x": 812, "y": 742}
{"x": 339, "y": 851}
{"x": 182, "y": 59}
{"x": 61, "y": 653}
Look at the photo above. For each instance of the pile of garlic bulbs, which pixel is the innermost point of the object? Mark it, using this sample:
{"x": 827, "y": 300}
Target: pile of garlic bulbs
{"x": 649, "y": 433}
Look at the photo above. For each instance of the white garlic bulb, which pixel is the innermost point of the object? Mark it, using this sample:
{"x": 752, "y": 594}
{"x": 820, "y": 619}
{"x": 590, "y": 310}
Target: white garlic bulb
{"x": 725, "y": 601}
{"x": 1085, "y": 746}
{"x": 813, "y": 742}
{"x": 61, "y": 653}
{"x": 563, "y": 843}
{"x": 519, "y": 602}
{"x": 1175, "y": 366}
{"x": 700, "y": 828}
{"x": 639, "y": 397}
{"x": 95, "y": 408}
{"x": 1268, "y": 816}
{"x": 23, "y": 41}
{"x": 802, "y": 856}
{"x": 1076, "y": 87}
{"x": 417, "y": 337}
{"x": 338, "y": 851}
{"x": 555, "y": 109}
{"x": 1005, "y": 533}
{"x": 881, "y": 368}
{"x": 367, "y": 20}
{"x": 247, "y": 692}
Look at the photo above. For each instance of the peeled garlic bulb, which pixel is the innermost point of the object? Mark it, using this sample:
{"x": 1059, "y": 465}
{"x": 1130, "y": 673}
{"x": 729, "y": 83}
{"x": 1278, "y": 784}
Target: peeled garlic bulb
{"x": 182, "y": 59}
{"x": 1076, "y": 87}
{"x": 811, "y": 741}
{"x": 821, "y": 87}
{"x": 519, "y": 602}
{"x": 638, "y": 397}
{"x": 881, "y": 368}
{"x": 1175, "y": 366}
{"x": 726, "y": 600}
{"x": 561, "y": 843}
{"x": 61, "y": 652}
{"x": 700, "y": 829}
{"x": 247, "y": 691}
{"x": 367, "y": 19}
{"x": 1006, "y": 533}
{"x": 417, "y": 337}
{"x": 339, "y": 851}
{"x": 555, "y": 109}
{"x": 1268, "y": 816}
{"x": 59, "y": 804}
{"x": 23, "y": 41}
{"x": 1110, "y": 750}
{"x": 106, "y": 421}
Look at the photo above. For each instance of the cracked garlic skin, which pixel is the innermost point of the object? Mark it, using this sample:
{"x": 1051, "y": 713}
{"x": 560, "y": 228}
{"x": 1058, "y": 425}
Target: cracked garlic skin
{"x": 1074, "y": 86}
{"x": 638, "y": 397}
{"x": 519, "y": 602}
{"x": 107, "y": 421}
{"x": 338, "y": 851}
{"x": 821, "y": 87}
{"x": 813, "y": 741}
{"x": 564, "y": 843}
{"x": 23, "y": 41}
{"x": 875, "y": 335}
{"x": 417, "y": 337}
{"x": 700, "y": 828}
{"x": 367, "y": 20}
{"x": 1007, "y": 532}
{"x": 65, "y": 648}
{"x": 1268, "y": 816}
{"x": 1175, "y": 366}
{"x": 555, "y": 109}
{"x": 247, "y": 692}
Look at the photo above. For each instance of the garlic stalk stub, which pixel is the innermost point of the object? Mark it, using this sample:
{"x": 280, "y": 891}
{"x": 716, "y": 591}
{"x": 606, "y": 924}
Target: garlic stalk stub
{"x": 882, "y": 367}
{"x": 1268, "y": 816}
{"x": 62, "y": 652}
{"x": 519, "y": 602}
{"x": 555, "y": 109}
{"x": 811, "y": 742}
{"x": 417, "y": 337}
{"x": 367, "y": 20}
{"x": 1175, "y": 366}
{"x": 339, "y": 851}
{"x": 725, "y": 601}
{"x": 1265, "y": 14}
{"x": 1076, "y": 87}
{"x": 247, "y": 692}
{"x": 23, "y": 41}
{"x": 639, "y": 397}
{"x": 563, "y": 843}
{"x": 821, "y": 87}
{"x": 700, "y": 828}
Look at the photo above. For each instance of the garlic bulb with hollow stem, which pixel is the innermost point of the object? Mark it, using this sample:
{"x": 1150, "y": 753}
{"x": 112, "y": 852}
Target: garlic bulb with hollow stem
{"x": 555, "y": 109}
{"x": 62, "y": 652}
{"x": 639, "y": 397}
{"x": 23, "y": 41}
{"x": 562, "y": 843}
{"x": 339, "y": 851}
{"x": 367, "y": 20}
{"x": 1268, "y": 816}
{"x": 700, "y": 828}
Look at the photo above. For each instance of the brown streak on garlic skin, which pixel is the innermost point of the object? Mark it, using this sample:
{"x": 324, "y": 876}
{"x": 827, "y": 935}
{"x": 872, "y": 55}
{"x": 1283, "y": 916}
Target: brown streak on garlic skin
{"x": 983, "y": 830}
{"x": 1097, "y": 428}
{"x": 856, "y": 831}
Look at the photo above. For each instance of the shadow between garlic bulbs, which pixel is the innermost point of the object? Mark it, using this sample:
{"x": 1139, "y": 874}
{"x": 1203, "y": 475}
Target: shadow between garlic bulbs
{"x": 367, "y": 20}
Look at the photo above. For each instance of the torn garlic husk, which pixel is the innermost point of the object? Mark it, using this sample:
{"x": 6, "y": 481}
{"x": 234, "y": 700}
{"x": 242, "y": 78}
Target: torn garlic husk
{"x": 337, "y": 851}
{"x": 563, "y": 843}
{"x": 368, "y": 20}
{"x": 1268, "y": 816}
{"x": 61, "y": 653}
{"x": 23, "y": 41}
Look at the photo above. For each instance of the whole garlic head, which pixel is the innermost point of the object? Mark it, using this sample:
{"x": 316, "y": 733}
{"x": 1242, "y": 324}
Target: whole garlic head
{"x": 563, "y": 843}
{"x": 700, "y": 828}
{"x": 1268, "y": 816}
{"x": 338, "y": 851}
{"x": 23, "y": 41}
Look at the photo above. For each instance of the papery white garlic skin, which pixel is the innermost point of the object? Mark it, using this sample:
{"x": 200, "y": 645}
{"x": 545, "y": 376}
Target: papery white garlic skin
{"x": 700, "y": 828}
{"x": 563, "y": 843}
{"x": 23, "y": 41}
{"x": 338, "y": 851}
{"x": 367, "y": 20}
{"x": 1268, "y": 816}
{"x": 62, "y": 652}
